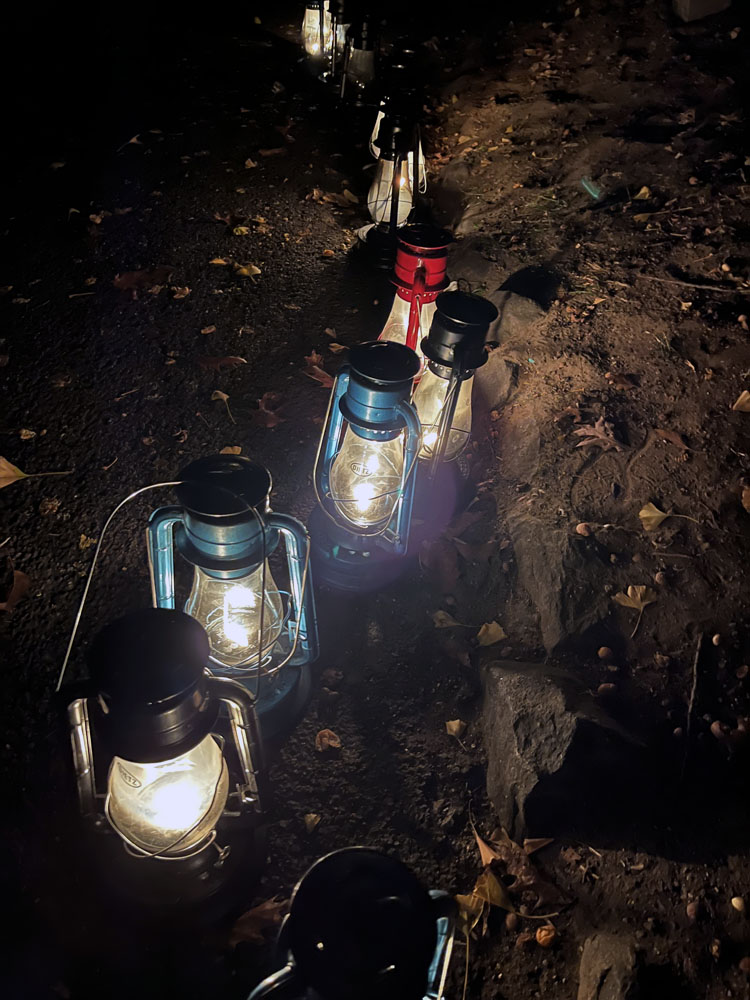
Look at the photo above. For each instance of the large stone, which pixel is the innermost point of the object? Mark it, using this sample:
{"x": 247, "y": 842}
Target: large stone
{"x": 516, "y": 314}
{"x": 609, "y": 968}
{"x": 556, "y": 760}
{"x": 693, "y": 10}
{"x": 493, "y": 382}
{"x": 566, "y": 585}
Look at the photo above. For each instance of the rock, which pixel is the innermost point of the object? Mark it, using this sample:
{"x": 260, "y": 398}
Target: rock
{"x": 555, "y": 757}
{"x": 692, "y": 10}
{"x": 466, "y": 260}
{"x": 519, "y": 440}
{"x": 516, "y": 314}
{"x": 493, "y": 382}
{"x": 566, "y": 588}
{"x": 609, "y": 968}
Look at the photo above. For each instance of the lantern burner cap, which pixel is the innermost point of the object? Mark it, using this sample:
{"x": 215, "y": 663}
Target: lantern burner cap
{"x": 217, "y": 485}
{"x": 384, "y": 362}
{"x": 361, "y": 925}
{"x": 460, "y": 324}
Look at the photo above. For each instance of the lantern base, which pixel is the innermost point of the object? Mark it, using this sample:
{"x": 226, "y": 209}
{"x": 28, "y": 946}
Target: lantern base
{"x": 199, "y": 890}
{"x": 344, "y": 561}
{"x": 380, "y": 246}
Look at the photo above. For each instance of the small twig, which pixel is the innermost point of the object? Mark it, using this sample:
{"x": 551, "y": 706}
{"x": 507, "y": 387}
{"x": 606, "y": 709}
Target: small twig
{"x": 128, "y": 393}
{"x": 688, "y": 284}
{"x": 691, "y": 700}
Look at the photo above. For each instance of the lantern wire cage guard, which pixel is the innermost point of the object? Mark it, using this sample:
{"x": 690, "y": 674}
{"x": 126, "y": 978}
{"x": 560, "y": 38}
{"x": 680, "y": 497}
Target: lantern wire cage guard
{"x": 406, "y": 475}
{"x": 261, "y": 669}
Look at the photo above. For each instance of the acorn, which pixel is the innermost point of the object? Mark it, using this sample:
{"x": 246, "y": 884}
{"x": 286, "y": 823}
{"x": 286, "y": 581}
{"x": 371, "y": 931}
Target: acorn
{"x": 546, "y": 935}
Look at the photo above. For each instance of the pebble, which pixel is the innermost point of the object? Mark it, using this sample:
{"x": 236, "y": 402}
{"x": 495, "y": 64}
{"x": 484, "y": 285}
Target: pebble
{"x": 583, "y": 529}
{"x": 660, "y": 578}
{"x": 693, "y": 909}
{"x": 604, "y": 653}
{"x": 738, "y": 903}
{"x": 716, "y": 639}
{"x": 606, "y": 690}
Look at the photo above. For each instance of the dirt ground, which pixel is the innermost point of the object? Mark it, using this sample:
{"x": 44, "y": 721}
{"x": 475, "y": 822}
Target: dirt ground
{"x": 591, "y": 160}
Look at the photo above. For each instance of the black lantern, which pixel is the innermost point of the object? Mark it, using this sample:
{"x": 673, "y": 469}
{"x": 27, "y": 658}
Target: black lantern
{"x": 361, "y": 926}
{"x": 167, "y": 761}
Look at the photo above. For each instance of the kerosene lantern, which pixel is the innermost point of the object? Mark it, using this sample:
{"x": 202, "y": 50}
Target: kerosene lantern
{"x": 223, "y": 526}
{"x": 358, "y": 73}
{"x": 316, "y": 30}
{"x": 365, "y": 468}
{"x": 403, "y": 95}
{"x": 391, "y": 196}
{"x": 419, "y": 277}
{"x": 167, "y": 762}
{"x": 453, "y": 349}
{"x": 362, "y": 926}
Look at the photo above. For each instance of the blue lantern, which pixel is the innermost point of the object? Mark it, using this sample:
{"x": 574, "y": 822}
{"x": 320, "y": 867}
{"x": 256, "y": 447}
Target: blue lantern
{"x": 366, "y": 465}
{"x": 361, "y": 925}
{"x": 223, "y": 526}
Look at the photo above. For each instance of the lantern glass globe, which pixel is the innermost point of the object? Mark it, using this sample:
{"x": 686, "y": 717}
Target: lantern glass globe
{"x": 243, "y": 616}
{"x": 366, "y": 479}
{"x": 311, "y": 41}
{"x": 397, "y": 324}
{"x": 172, "y": 806}
{"x": 381, "y": 190}
{"x": 429, "y": 400}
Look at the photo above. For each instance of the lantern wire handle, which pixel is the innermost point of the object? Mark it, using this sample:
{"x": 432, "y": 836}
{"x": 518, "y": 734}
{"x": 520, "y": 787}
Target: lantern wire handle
{"x": 92, "y": 567}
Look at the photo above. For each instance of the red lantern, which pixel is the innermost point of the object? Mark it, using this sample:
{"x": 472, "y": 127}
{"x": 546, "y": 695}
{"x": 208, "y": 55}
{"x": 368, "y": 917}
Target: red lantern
{"x": 419, "y": 276}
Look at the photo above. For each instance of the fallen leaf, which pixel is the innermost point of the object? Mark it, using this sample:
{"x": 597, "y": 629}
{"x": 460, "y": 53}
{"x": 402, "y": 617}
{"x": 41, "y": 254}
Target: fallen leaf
{"x": 241, "y": 231}
{"x": 249, "y": 164}
{"x": 312, "y": 820}
{"x": 455, "y": 727}
{"x": 220, "y": 262}
{"x": 651, "y": 517}
{"x": 313, "y": 358}
{"x": 642, "y": 217}
{"x": 329, "y": 253}
{"x": 247, "y": 270}
{"x": 528, "y": 879}
{"x": 470, "y": 911}
{"x": 600, "y": 435}
{"x": 742, "y": 403}
{"x": 208, "y": 329}
{"x": 252, "y": 925}
{"x": 351, "y": 197}
{"x": 637, "y": 597}
{"x": 490, "y": 889}
{"x": 217, "y": 394}
{"x": 269, "y": 409}
{"x": 487, "y": 852}
{"x": 180, "y": 291}
{"x": 218, "y": 364}
{"x": 533, "y": 844}
{"x": 329, "y": 331}
{"x": 18, "y": 590}
{"x": 133, "y": 281}
{"x": 643, "y": 195}
{"x": 85, "y": 542}
{"x": 278, "y": 151}
{"x": 26, "y": 435}
{"x": 9, "y": 473}
{"x": 336, "y": 348}
{"x": 326, "y": 739}
{"x": 231, "y": 449}
{"x": 490, "y": 633}
{"x": 442, "y": 619}
{"x": 319, "y": 375}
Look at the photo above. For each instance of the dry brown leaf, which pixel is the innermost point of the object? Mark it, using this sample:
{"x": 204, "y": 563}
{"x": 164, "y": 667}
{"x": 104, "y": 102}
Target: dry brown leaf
{"x": 272, "y": 152}
{"x": 18, "y": 590}
{"x": 218, "y": 364}
{"x": 490, "y": 889}
{"x": 330, "y": 331}
{"x": 527, "y": 877}
{"x": 533, "y": 844}
{"x": 487, "y": 852}
{"x": 85, "y": 542}
{"x": 470, "y": 910}
{"x": 217, "y": 394}
{"x": 326, "y": 739}
{"x": 247, "y": 270}
{"x": 651, "y": 517}
{"x": 269, "y": 410}
{"x": 221, "y": 262}
{"x": 316, "y": 373}
{"x": 180, "y": 291}
{"x": 455, "y": 727}
{"x": 442, "y": 619}
{"x": 490, "y": 633}
{"x": 249, "y": 164}
{"x": 26, "y": 435}
{"x": 643, "y": 195}
{"x": 208, "y": 329}
{"x": 313, "y": 358}
{"x": 231, "y": 449}
{"x": 311, "y": 820}
{"x": 337, "y": 348}
{"x": 252, "y": 925}
{"x": 133, "y": 281}
{"x": 637, "y": 597}
{"x": 599, "y": 435}
{"x": 642, "y": 217}
{"x": 742, "y": 403}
